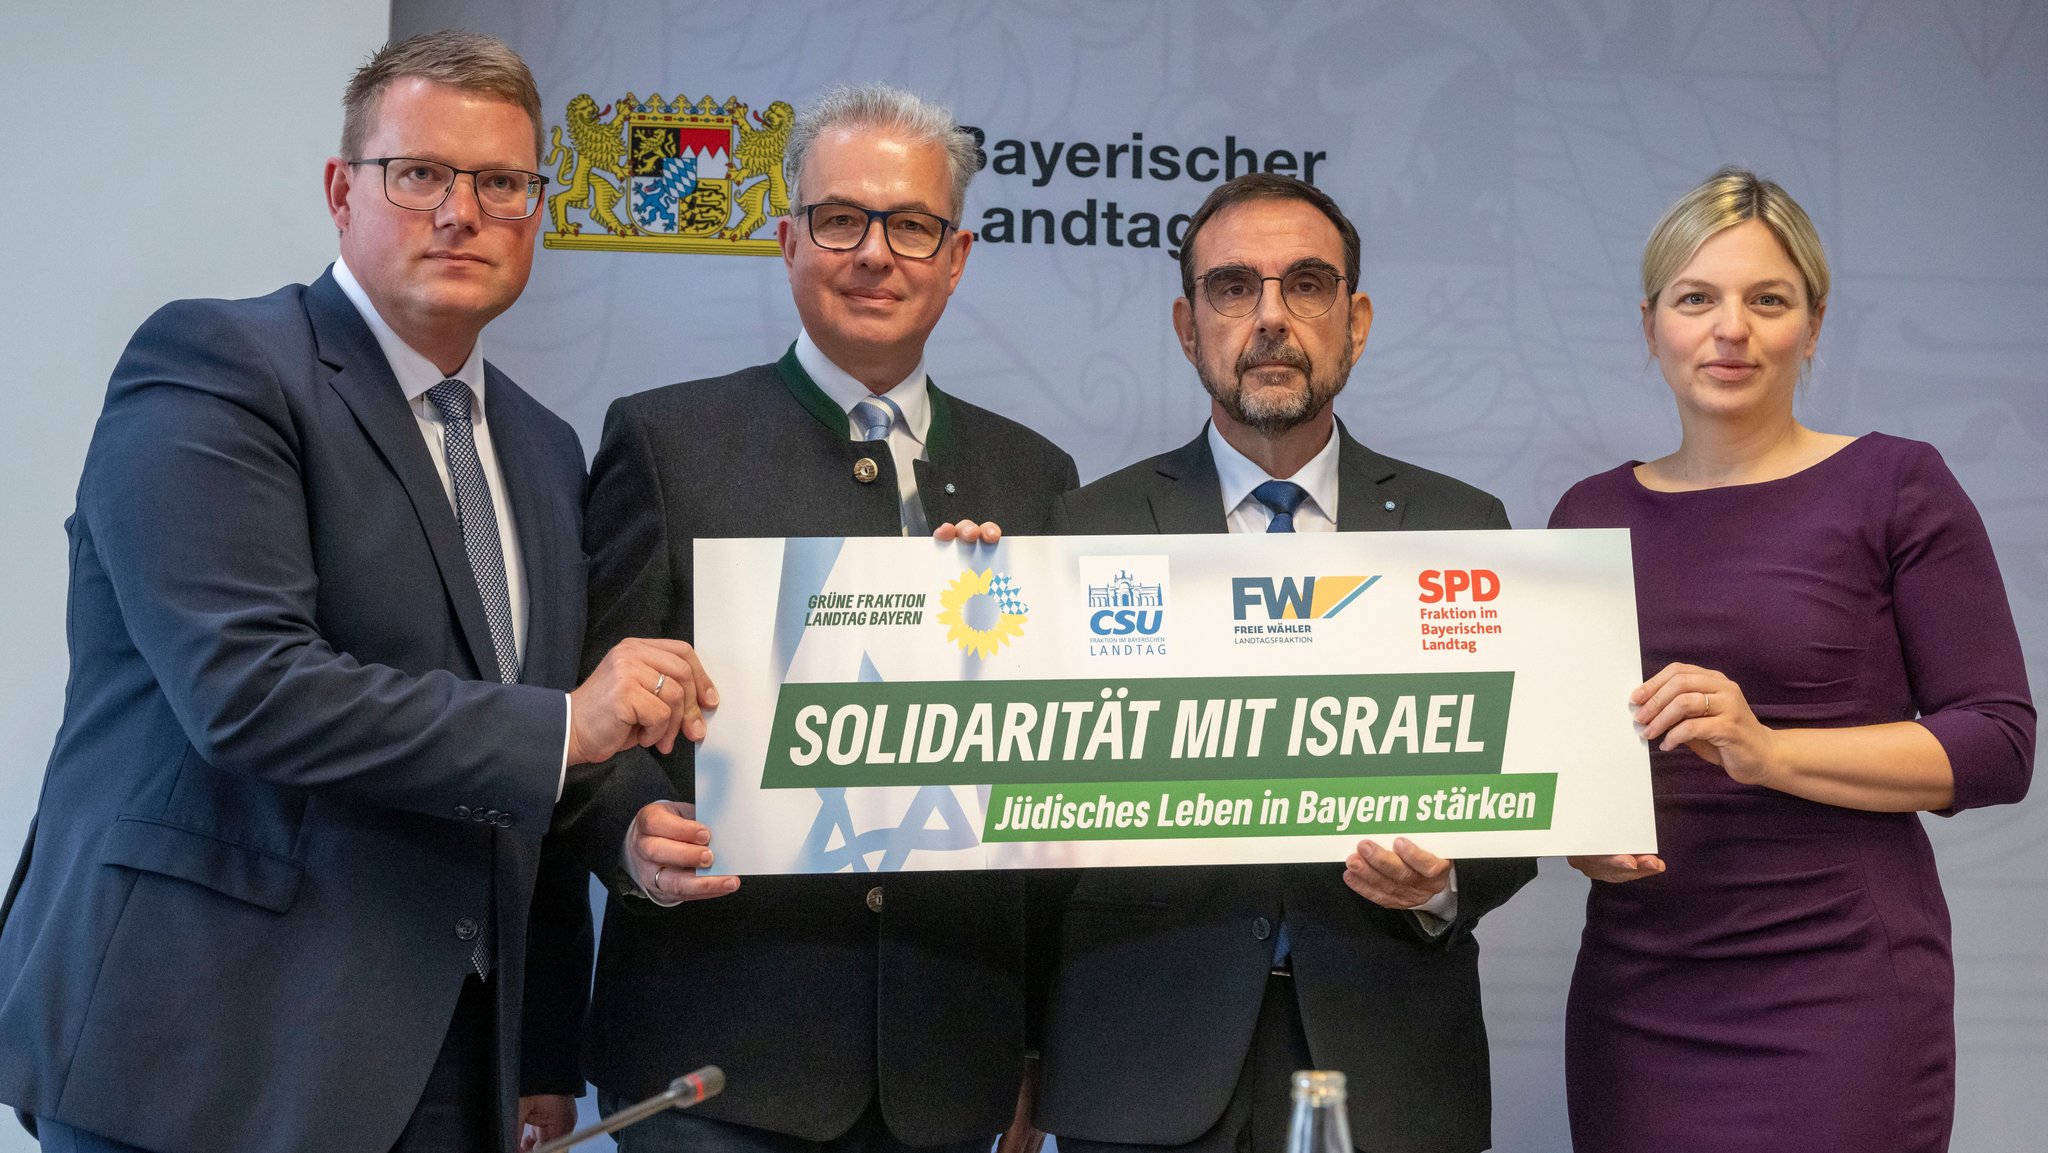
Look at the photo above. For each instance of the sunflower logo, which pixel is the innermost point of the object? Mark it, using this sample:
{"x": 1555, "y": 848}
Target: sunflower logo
{"x": 983, "y": 611}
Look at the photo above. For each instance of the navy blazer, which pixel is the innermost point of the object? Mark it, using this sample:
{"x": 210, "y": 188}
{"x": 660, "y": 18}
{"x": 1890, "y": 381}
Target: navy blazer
{"x": 1159, "y": 973}
{"x": 288, "y": 783}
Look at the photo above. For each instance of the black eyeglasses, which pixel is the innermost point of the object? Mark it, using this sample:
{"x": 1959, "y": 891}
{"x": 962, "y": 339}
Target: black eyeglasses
{"x": 424, "y": 185}
{"x": 1307, "y": 292}
{"x": 842, "y": 227}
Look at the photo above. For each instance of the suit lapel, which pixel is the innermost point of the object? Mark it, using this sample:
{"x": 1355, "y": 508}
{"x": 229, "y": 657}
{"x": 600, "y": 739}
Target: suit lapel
{"x": 364, "y": 382}
{"x": 1191, "y": 498}
{"x": 1364, "y": 502}
{"x": 941, "y": 488}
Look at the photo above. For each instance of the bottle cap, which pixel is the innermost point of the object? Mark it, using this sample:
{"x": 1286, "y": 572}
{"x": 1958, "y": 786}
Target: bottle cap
{"x": 1319, "y": 1086}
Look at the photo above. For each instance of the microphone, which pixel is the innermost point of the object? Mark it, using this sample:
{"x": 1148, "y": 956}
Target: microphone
{"x": 683, "y": 1092}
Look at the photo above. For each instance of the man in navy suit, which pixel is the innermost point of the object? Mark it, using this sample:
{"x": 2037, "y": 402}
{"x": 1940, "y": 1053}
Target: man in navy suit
{"x": 326, "y": 597}
{"x": 1182, "y": 999}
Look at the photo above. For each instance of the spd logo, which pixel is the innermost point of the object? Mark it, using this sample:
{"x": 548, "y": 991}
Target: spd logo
{"x": 1289, "y": 598}
{"x": 1447, "y": 585}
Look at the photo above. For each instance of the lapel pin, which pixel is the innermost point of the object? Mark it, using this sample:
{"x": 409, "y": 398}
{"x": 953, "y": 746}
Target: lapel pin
{"x": 864, "y": 470}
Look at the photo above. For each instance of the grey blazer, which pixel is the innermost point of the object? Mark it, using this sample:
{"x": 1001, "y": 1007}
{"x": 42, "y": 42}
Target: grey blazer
{"x": 812, "y": 995}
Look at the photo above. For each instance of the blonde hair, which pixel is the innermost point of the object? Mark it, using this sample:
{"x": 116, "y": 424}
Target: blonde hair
{"x": 1727, "y": 198}
{"x": 464, "y": 60}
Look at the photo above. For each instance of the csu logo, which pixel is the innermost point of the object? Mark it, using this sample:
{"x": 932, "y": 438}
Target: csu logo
{"x": 1126, "y": 612}
{"x": 1124, "y": 606}
{"x": 1289, "y": 598}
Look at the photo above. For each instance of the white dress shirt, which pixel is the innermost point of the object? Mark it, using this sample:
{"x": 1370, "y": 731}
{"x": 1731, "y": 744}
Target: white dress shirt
{"x": 1244, "y": 513}
{"x": 416, "y": 374}
{"x": 912, "y": 397}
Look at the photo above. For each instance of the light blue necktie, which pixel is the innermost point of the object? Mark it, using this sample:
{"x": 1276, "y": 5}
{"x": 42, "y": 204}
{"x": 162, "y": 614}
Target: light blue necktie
{"x": 479, "y": 521}
{"x": 877, "y": 415}
{"x": 1282, "y": 497}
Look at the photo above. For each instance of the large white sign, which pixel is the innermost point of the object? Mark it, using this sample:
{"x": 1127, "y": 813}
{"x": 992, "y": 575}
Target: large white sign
{"x": 1060, "y": 701}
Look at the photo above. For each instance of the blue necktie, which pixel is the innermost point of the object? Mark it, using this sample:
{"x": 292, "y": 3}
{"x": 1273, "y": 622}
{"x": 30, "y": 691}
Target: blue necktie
{"x": 1283, "y": 497}
{"x": 478, "y": 518}
{"x": 479, "y": 521}
{"x": 877, "y": 415}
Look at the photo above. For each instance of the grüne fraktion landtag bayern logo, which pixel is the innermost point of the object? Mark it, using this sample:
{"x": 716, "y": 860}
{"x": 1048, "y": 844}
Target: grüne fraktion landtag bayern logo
{"x": 983, "y": 611}
{"x": 668, "y": 176}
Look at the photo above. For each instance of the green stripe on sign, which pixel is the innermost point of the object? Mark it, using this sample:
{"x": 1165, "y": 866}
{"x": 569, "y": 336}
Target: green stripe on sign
{"x": 1151, "y": 729}
{"x": 1301, "y": 807}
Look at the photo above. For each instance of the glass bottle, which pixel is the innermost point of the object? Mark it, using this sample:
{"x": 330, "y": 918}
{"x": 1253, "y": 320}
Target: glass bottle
{"x": 1318, "y": 1123}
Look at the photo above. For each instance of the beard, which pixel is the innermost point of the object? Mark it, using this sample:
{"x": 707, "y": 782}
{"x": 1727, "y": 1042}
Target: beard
{"x": 1275, "y": 409}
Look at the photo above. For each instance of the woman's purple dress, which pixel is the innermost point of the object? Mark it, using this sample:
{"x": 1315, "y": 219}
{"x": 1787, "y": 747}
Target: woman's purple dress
{"x": 1787, "y": 984}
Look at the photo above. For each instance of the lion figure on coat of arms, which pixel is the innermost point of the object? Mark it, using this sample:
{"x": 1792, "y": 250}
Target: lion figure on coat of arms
{"x": 596, "y": 147}
{"x": 758, "y": 157}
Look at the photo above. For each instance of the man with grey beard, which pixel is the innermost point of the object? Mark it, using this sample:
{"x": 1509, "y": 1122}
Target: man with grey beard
{"x": 1182, "y": 999}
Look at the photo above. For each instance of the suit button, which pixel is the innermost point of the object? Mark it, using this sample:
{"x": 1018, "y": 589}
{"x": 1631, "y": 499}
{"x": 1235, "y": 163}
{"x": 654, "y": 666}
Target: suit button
{"x": 865, "y": 470}
{"x": 490, "y": 818}
{"x": 1261, "y": 928}
{"x": 503, "y": 820}
{"x": 465, "y": 928}
{"x": 875, "y": 899}
{"x": 462, "y": 812}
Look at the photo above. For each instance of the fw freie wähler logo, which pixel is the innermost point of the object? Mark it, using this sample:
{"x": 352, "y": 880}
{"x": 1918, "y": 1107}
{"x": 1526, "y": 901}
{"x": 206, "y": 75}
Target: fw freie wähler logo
{"x": 1290, "y": 599}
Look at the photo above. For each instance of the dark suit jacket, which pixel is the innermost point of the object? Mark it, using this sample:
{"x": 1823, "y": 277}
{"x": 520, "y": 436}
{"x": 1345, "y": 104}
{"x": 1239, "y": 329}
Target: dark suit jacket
{"x": 287, "y": 774}
{"x": 1160, "y": 971}
{"x": 812, "y": 1001}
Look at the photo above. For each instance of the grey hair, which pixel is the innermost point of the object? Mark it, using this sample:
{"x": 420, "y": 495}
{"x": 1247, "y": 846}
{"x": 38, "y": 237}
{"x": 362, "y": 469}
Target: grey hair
{"x": 882, "y": 106}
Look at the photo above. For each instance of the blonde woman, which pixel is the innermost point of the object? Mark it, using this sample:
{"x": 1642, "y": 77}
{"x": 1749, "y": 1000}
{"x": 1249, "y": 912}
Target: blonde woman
{"x": 1829, "y": 652}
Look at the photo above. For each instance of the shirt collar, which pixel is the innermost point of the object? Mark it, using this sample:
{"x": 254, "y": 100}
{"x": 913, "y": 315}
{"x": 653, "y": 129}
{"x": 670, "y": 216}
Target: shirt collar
{"x": 1239, "y": 476}
{"x": 416, "y": 374}
{"x": 911, "y": 395}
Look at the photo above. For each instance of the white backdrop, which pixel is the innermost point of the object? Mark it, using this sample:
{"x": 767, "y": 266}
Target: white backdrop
{"x": 1503, "y": 161}
{"x": 117, "y": 112}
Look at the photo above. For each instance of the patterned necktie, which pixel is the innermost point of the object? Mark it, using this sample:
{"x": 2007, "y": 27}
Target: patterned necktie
{"x": 1283, "y": 497}
{"x": 877, "y": 415}
{"x": 479, "y": 522}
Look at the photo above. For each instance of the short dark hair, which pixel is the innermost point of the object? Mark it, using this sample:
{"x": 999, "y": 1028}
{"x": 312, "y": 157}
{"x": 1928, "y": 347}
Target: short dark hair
{"x": 1266, "y": 186}
{"x": 467, "y": 61}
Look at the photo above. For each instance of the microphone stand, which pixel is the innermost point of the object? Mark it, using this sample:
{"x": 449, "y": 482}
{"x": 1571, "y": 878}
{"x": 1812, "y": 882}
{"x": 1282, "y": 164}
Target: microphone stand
{"x": 683, "y": 1092}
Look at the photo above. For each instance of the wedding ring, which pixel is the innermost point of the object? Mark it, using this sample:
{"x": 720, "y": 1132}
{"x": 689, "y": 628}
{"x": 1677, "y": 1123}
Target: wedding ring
{"x": 1706, "y": 703}
{"x": 659, "y": 682}
{"x": 658, "y": 870}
